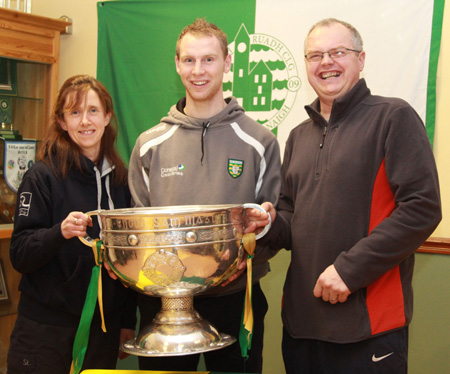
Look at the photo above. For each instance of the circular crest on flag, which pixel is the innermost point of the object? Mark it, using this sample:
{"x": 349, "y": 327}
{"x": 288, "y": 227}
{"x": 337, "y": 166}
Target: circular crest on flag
{"x": 263, "y": 78}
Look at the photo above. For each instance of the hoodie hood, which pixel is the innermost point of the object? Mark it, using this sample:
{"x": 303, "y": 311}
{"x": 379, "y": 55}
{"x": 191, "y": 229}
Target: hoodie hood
{"x": 229, "y": 114}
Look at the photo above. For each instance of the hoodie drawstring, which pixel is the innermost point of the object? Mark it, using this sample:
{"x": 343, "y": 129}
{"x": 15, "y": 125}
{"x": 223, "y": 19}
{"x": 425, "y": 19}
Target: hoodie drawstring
{"x": 99, "y": 194}
{"x": 205, "y": 128}
{"x": 98, "y": 177}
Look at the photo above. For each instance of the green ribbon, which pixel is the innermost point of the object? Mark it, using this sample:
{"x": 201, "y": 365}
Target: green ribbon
{"x": 246, "y": 329}
{"x": 245, "y": 336}
{"x": 82, "y": 336}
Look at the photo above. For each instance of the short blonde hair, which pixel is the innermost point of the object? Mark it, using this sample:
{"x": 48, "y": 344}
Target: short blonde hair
{"x": 201, "y": 27}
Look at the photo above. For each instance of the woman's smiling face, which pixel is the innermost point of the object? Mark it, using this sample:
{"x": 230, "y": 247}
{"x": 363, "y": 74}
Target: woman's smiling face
{"x": 86, "y": 124}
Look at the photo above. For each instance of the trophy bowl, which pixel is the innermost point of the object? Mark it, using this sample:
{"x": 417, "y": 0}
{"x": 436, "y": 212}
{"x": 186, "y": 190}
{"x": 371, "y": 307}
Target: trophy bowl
{"x": 174, "y": 253}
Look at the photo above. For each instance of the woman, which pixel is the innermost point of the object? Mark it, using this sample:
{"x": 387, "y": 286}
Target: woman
{"x": 79, "y": 170}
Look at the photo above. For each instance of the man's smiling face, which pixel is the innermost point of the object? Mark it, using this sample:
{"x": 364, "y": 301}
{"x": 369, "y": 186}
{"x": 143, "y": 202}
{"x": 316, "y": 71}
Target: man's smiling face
{"x": 331, "y": 79}
{"x": 201, "y": 66}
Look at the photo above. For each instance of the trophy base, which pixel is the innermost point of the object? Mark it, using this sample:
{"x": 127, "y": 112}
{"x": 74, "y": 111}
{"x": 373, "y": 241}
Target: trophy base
{"x": 177, "y": 330}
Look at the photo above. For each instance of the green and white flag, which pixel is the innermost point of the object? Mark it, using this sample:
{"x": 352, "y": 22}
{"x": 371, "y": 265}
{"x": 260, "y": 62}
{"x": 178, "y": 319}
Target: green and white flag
{"x": 136, "y": 55}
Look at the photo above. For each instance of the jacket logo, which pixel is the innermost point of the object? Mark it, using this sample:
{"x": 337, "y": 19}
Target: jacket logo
{"x": 235, "y": 168}
{"x": 25, "y": 203}
{"x": 173, "y": 171}
{"x": 377, "y": 359}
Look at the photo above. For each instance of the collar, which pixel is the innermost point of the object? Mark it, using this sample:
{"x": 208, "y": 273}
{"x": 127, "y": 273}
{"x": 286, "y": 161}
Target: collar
{"x": 342, "y": 105}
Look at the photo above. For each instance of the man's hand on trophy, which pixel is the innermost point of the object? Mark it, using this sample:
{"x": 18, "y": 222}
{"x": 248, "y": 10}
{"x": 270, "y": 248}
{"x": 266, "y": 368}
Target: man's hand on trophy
{"x": 240, "y": 269}
{"x": 256, "y": 220}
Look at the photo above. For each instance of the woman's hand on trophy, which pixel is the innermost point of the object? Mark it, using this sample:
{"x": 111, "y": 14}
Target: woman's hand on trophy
{"x": 255, "y": 220}
{"x": 75, "y": 225}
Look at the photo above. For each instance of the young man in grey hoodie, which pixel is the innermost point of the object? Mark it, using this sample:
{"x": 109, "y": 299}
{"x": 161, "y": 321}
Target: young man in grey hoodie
{"x": 208, "y": 151}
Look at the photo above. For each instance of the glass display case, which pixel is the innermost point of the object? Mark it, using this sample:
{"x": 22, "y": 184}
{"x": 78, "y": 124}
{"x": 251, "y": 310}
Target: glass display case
{"x": 22, "y": 116}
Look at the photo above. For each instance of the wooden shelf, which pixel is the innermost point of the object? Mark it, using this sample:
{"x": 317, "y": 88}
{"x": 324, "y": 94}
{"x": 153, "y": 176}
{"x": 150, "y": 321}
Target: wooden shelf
{"x": 6, "y": 231}
{"x": 29, "y": 37}
{"x": 436, "y": 245}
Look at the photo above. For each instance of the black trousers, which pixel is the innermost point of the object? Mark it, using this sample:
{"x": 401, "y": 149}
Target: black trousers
{"x": 225, "y": 313}
{"x": 47, "y": 349}
{"x": 384, "y": 354}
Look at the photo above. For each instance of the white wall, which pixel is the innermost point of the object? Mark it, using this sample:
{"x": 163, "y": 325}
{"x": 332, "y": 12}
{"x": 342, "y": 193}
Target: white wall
{"x": 78, "y": 53}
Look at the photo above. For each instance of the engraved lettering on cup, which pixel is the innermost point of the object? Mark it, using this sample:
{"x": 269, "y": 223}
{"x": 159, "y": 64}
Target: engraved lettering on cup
{"x": 175, "y": 222}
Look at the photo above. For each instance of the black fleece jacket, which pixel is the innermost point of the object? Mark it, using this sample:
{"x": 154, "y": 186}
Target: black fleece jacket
{"x": 56, "y": 271}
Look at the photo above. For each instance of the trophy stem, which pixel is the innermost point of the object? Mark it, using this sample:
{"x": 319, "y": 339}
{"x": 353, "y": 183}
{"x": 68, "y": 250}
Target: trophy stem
{"x": 177, "y": 330}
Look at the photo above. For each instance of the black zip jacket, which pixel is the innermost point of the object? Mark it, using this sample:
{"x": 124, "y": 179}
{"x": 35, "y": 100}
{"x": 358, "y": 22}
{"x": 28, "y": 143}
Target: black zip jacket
{"x": 56, "y": 271}
{"x": 361, "y": 192}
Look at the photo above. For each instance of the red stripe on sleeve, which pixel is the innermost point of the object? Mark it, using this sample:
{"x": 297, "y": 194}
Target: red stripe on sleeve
{"x": 385, "y": 296}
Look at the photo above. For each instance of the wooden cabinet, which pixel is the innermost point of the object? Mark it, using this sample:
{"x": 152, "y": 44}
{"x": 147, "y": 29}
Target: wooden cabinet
{"x": 30, "y": 44}
{"x": 33, "y": 44}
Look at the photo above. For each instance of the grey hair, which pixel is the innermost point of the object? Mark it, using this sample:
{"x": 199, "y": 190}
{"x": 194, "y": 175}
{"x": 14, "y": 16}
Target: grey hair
{"x": 356, "y": 37}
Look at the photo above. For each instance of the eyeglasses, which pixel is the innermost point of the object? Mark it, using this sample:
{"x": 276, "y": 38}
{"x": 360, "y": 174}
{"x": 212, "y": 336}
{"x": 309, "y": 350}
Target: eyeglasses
{"x": 334, "y": 54}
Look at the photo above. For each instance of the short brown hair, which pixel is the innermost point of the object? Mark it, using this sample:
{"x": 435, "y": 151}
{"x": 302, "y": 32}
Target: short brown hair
{"x": 356, "y": 37}
{"x": 203, "y": 28}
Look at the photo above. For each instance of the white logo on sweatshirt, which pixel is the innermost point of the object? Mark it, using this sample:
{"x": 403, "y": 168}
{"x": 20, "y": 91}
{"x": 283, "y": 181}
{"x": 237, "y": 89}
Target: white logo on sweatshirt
{"x": 173, "y": 171}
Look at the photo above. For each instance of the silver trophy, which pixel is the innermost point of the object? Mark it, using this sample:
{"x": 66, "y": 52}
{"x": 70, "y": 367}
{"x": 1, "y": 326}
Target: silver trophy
{"x": 174, "y": 253}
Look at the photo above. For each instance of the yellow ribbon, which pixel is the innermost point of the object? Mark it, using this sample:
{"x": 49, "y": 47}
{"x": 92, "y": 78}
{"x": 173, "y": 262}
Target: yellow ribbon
{"x": 99, "y": 255}
{"x": 246, "y": 333}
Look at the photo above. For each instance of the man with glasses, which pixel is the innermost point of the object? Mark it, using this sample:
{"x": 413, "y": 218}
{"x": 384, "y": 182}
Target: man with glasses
{"x": 359, "y": 195}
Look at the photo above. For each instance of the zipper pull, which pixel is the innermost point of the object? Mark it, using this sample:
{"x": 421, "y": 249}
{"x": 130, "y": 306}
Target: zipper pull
{"x": 205, "y": 128}
{"x": 323, "y": 136}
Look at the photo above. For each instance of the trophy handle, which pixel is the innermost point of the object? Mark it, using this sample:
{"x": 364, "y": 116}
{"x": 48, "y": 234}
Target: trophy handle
{"x": 87, "y": 240}
{"x": 259, "y": 207}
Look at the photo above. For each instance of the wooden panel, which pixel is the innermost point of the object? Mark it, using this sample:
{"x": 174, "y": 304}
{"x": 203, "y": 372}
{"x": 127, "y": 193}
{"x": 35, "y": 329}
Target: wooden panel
{"x": 29, "y": 37}
{"x": 6, "y": 231}
{"x": 7, "y": 325}
{"x": 27, "y": 20}
{"x": 8, "y": 308}
{"x": 32, "y": 47}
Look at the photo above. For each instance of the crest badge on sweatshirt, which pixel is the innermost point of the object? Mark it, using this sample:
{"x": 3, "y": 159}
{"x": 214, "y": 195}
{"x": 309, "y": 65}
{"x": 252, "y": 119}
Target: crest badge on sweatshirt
{"x": 235, "y": 168}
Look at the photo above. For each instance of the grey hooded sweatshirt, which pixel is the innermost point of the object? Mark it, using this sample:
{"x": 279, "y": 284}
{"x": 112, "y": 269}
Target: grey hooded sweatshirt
{"x": 226, "y": 159}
